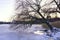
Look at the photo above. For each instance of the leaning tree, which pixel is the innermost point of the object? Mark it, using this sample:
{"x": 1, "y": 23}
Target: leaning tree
{"x": 31, "y": 8}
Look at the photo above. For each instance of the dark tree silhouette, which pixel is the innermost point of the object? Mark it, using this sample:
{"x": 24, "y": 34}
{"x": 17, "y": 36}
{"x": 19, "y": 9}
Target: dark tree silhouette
{"x": 33, "y": 9}
{"x": 29, "y": 6}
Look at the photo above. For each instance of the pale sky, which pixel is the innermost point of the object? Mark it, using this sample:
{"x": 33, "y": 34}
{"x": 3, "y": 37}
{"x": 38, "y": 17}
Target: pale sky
{"x": 6, "y": 9}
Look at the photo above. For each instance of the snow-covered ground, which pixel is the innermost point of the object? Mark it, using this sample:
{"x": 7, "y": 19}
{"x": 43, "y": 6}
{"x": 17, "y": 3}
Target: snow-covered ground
{"x": 7, "y": 34}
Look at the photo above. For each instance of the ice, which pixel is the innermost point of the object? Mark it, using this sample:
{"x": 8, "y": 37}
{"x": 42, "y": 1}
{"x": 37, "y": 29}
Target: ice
{"x": 7, "y": 34}
{"x": 4, "y": 28}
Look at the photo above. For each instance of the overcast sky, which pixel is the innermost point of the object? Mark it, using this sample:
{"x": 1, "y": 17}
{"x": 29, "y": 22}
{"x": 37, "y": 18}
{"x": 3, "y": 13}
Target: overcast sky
{"x": 6, "y": 9}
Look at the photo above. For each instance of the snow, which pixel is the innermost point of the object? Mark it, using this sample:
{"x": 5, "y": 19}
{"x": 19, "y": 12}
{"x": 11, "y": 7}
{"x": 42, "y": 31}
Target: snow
{"x": 4, "y": 28}
{"x": 35, "y": 34}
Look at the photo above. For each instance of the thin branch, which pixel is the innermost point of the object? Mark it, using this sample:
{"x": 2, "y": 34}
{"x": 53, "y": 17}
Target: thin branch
{"x": 32, "y": 11}
{"x": 40, "y": 1}
{"x": 57, "y": 4}
{"x": 48, "y": 3}
{"x": 31, "y": 5}
{"x": 18, "y": 7}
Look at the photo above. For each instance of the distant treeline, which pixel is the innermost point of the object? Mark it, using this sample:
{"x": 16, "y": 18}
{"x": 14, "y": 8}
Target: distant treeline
{"x": 38, "y": 21}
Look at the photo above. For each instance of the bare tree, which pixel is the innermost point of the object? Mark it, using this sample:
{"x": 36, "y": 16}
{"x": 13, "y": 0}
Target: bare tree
{"x": 55, "y": 9}
{"x": 57, "y": 6}
{"x": 32, "y": 7}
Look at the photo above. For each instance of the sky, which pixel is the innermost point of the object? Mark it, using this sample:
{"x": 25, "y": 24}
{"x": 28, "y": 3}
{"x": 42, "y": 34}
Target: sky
{"x": 6, "y": 9}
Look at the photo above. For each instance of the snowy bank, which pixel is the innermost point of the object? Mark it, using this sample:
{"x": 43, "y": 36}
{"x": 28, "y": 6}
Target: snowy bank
{"x": 7, "y": 34}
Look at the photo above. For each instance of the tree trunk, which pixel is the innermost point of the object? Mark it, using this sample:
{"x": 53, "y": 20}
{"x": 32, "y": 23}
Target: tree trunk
{"x": 46, "y": 21}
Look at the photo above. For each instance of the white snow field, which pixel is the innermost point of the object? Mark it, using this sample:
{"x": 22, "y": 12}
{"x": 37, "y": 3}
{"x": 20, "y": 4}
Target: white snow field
{"x": 32, "y": 33}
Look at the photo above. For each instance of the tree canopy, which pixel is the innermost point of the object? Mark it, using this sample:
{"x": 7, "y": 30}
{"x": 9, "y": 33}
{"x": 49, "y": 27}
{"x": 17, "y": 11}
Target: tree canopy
{"x": 34, "y": 9}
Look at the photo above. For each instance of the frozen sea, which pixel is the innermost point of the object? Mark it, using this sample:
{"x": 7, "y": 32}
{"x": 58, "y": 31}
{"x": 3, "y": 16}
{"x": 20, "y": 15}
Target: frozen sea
{"x": 7, "y": 34}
